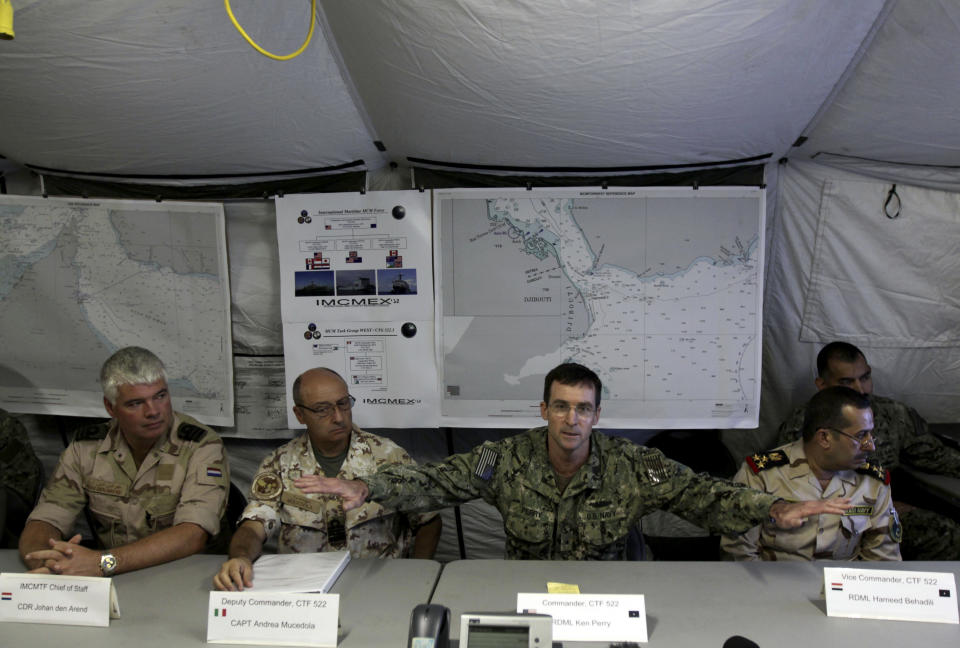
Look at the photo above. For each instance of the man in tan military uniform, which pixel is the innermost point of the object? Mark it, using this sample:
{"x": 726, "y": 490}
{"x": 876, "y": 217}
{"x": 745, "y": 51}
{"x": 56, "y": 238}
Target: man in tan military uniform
{"x": 565, "y": 491}
{"x": 332, "y": 445}
{"x": 830, "y": 461}
{"x": 155, "y": 481}
{"x": 901, "y": 437}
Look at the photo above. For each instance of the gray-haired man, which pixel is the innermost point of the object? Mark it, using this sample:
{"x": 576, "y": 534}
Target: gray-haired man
{"x": 155, "y": 481}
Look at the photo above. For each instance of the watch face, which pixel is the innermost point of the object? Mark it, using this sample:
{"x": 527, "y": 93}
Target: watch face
{"x": 108, "y": 563}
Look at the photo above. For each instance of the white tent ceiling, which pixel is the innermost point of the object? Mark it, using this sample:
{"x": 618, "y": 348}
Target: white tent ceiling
{"x": 169, "y": 87}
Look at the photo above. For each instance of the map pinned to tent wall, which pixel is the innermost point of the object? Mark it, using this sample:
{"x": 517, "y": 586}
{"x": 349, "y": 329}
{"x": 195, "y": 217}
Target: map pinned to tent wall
{"x": 659, "y": 290}
{"x": 80, "y": 279}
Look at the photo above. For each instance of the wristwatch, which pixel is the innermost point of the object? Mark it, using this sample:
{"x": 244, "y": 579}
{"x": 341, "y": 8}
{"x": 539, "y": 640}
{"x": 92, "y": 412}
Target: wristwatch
{"x": 108, "y": 564}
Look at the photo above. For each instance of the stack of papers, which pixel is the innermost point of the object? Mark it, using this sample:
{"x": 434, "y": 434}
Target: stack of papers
{"x": 307, "y": 572}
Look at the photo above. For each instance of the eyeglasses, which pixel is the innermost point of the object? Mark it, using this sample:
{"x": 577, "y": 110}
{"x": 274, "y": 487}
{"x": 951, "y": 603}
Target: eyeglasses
{"x": 560, "y": 408}
{"x": 862, "y": 438}
{"x": 324, "y": 410}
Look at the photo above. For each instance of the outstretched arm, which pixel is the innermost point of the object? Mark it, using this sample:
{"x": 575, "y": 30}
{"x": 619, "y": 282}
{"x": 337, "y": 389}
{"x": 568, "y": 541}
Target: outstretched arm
{"x": 354, "y": 492}
{"x": 746, "y": 545}
{"x": 790, "y": 515}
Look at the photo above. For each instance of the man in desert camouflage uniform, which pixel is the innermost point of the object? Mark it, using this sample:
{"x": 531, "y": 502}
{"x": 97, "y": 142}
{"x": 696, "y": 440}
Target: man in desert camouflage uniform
{"x": 334, "y": 445}
{"x": 154, "y": 481}
{"x": 901, "y": 437}
{"x": 830, "y": 461}
{"x": 20, "y": 474}
{"x": 565, "y": 491}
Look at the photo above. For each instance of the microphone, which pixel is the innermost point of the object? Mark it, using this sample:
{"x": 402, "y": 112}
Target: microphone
{"x": 736, "y": 641}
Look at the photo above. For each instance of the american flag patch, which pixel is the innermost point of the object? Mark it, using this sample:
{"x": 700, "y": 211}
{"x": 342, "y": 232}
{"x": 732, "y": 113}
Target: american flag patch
{"x": 656, "y": 470}
{"x": 488, "y": 460}
{"x": 214, "y": 472}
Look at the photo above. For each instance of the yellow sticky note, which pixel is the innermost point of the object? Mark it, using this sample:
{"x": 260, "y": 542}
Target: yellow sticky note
{"x": 562, "y": 588}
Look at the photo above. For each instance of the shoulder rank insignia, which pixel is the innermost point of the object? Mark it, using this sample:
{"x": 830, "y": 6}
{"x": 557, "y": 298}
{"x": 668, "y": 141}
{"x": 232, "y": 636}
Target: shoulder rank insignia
{"x": 653, "y": 464}
{"x": 488, "y": 461}
{"x": 92, "y": 432}
{"x": 266, "y": 486}
{"x": 190, "y": 432}
{"x": 876, "y": 471}
{"x": 767, "y": 460}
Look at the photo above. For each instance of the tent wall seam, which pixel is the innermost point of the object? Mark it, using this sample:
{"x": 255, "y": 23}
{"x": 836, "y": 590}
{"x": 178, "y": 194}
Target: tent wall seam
{"x": 851, "y": 66}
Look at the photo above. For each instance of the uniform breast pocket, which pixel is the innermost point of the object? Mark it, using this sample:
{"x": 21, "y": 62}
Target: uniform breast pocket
{"x": 604, "y": 530}
{"x": 107, "y": 515}
{"x": 160, "y": 513}
{"x": 852, "y": 528}
{"x": 854, "y": 525}
{"x": 529, "y": 533}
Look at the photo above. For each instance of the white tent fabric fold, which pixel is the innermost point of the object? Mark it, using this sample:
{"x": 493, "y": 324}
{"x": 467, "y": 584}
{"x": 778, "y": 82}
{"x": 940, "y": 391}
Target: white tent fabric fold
{"x": 169, "y": 88}
{"x": 927, "y": 378}
{"x": 884, "y": 280}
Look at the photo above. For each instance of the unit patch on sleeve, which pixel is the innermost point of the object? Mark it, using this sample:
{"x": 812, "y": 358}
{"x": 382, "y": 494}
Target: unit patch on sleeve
{"x": 267, "y": 486}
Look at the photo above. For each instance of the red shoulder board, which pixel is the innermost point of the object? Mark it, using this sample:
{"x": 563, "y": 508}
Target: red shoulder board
{"x": 876, "y": 471}
{"x": 767, "y": 460}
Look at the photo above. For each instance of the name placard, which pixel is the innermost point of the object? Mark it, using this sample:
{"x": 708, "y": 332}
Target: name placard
{"x": 50, "y": 598}
{"x": 590, "y": 617}
{"x": 890, "y": 594}
{"x": 273, "y": 618}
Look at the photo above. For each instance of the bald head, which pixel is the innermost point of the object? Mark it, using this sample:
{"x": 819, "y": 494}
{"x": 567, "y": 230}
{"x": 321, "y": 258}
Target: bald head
{"x": 321, "y": 374}
{"x": 323, "y": 404}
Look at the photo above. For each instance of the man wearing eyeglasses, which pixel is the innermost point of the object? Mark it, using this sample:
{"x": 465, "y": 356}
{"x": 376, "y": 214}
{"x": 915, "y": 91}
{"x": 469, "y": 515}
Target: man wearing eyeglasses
{"x": 332, "y": 445}
{"x": 830, "y": 461}
{"x": 565, "y": 491}
{"x": 901, "y": 437}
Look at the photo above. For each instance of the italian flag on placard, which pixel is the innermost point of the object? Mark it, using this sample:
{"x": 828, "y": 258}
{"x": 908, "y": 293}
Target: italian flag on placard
{"x": 217, "y": 612}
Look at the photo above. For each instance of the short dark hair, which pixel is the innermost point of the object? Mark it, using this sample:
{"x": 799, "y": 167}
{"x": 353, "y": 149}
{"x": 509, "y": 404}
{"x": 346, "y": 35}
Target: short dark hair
{"x": 299, "y": 380}
{"x": 825, "y": 409}
{"x": 840, "y": 351}
{"x": 571, "y": 373}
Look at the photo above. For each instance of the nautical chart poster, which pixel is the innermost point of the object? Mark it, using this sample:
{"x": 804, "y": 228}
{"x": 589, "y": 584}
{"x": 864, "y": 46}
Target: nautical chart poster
{"x": 658, "y": 290}
{"x": 357, "y": 297}
{"x": 80, "y": 279}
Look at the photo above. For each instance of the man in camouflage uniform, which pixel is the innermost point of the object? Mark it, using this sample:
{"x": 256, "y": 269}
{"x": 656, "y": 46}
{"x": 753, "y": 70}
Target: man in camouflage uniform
{"x": 565, "y": 491}
{"x": 830, "y": 461}
{"x": 155, "y": 481}
{"x": 20, "y": 474}
{"x": 334, "y": 445}
{"x": 901, "y": 437}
